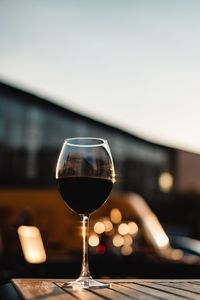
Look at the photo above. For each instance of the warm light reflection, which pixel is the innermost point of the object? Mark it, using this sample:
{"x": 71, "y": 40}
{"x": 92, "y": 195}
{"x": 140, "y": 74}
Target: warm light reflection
{"x": 126, "y": 250}
{"x": 99, "y": 227}
{"x": 165, "y": 181}
{"x": 157, "y": 232}
{"x": 133, "y": 228}
{"x": 93, "y": 240}
{"x": 115, "y": 216}
{"x": 123, "y": 229}
{"x": 162, "y": 240}
{"x": 108, "y": 225}
{"x": 32, "y": 245}
{"x": 118, "y": 240}
{"x": 177, "y": 254}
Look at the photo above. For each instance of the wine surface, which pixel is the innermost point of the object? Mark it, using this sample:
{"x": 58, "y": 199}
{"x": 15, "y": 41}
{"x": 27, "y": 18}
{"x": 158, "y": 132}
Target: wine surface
{"x": 84, "y": 194}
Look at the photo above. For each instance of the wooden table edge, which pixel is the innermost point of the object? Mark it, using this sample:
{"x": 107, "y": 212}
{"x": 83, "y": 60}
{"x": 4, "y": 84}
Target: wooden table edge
{"x": 109, "y": 280}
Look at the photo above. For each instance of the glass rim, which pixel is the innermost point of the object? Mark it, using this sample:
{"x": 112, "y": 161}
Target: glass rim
{"x": 101, "y": 141}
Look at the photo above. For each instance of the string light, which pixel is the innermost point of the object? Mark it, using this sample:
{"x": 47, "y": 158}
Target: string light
{"x": 108, "y": 225}
{"x": 93, "y": 240}
{"x": 123, "y": 229}
{"x": 126, "y": 250}
{"x": 99, "y": 227}
{"x": 128, "y": 240}
{"x": 115, "y": 216}
{"x": 133, "y": 228}
{"x": 118, "y": 240}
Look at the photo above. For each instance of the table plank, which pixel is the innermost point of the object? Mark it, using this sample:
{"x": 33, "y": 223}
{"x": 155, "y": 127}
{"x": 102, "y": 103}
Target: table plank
{"x": 174, "y": 291}
{"x": 32, "y": 289}
{"x": 151, "y": 291}
{"x": 110, "y": 294}
{"x": 185, "y": 286}
{"x": 133, "y": 294}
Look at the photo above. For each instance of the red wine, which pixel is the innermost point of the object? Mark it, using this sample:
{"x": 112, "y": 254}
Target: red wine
{"x": 84, "y": 194}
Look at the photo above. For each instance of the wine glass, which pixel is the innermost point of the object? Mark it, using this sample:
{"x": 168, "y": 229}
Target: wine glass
{"x": 85, "y": 176}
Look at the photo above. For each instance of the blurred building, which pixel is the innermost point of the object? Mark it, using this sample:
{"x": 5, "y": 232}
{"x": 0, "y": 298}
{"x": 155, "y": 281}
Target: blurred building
{"x": 32, "y": 131}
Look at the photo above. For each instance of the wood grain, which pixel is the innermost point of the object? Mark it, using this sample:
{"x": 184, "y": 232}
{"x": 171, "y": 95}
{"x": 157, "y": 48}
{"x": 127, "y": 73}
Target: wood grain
{"x": 121, "y": 289}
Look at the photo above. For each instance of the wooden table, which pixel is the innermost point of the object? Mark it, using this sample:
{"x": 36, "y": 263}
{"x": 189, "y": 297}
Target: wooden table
{"x": 120, "y": 289}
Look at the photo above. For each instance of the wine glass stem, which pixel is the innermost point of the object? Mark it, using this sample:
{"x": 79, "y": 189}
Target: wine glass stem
{"x": 85, "y": 267}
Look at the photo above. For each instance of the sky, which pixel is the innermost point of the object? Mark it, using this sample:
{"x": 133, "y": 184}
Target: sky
{"x": 133, "y": 64}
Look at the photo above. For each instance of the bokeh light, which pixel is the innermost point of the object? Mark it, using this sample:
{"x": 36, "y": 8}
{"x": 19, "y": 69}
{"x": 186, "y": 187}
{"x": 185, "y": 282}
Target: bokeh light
{"x": 128, "y": 240}
{"x": 32, "y": 244}
{"x": 118, "y": 240}
{"x": 108, "y": 225}
{"x": 99, "y": 227}
{"x": 101, "y": 249}
{"x": 133, "y": 228}
{"x": 165, "y": 181}
{"x": 93, "y": 240}
{"x": 123, "y": 229}
{"x": 126, "y": 250}
{"x": 115, "y": 216}
{"x": 162, "y": 240}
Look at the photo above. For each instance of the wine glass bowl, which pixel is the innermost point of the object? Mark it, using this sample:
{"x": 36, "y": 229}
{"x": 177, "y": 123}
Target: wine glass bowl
{"x": 85, "y": 176}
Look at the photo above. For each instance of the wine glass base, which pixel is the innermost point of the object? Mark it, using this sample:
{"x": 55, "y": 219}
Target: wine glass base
{"x": 84, "y": 283}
